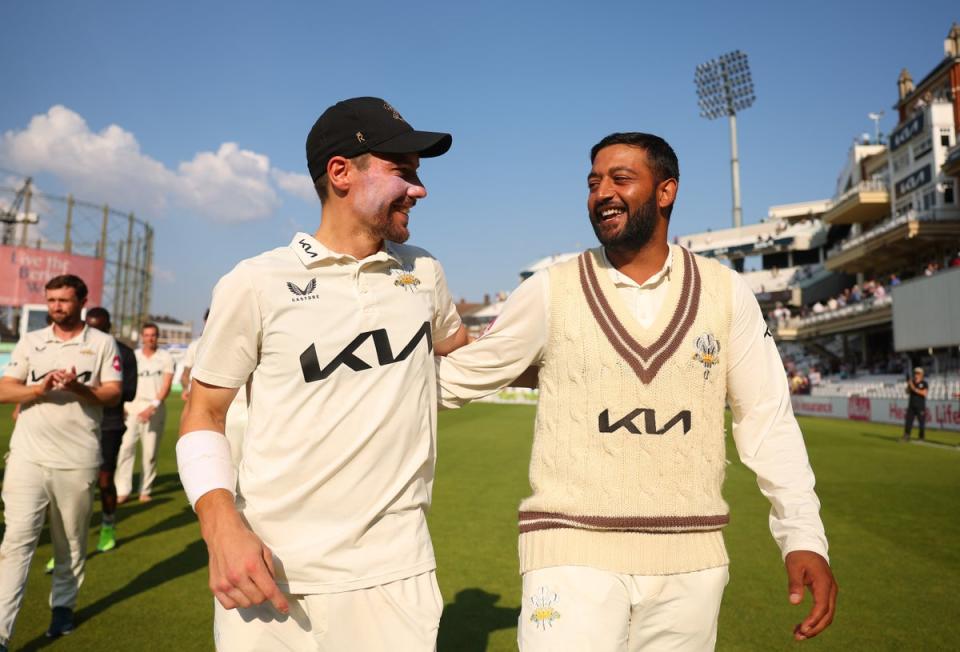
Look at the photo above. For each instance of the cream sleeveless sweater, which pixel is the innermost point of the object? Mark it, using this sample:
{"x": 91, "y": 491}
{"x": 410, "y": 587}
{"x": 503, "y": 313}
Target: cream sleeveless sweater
{"x": 628, "y": 453}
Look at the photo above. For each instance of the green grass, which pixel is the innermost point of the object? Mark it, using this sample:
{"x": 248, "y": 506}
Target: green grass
{"x": 891, "y": 513}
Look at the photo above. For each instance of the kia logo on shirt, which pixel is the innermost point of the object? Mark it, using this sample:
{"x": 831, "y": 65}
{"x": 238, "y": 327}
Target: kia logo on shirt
{"x": 312, "y": 371}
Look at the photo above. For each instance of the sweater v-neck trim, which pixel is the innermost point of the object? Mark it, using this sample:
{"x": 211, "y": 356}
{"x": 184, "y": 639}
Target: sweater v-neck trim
{"x": 623, "y": 331}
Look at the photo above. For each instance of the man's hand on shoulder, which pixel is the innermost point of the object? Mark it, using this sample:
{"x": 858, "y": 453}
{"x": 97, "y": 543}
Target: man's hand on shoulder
{"x": 241, "y": 566}
{"x": 806, "y": 568}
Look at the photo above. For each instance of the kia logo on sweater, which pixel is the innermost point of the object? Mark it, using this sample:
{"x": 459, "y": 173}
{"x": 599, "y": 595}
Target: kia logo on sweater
{"x": 649, "y": 422}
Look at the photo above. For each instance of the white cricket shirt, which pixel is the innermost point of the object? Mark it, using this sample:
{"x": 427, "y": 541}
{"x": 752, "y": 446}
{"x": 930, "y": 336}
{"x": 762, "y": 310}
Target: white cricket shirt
{"x": 150, "y": 372}
{"x": 338, "y": 456}
{"x": 60, "y": 431}
{"x": 765, "y": 431}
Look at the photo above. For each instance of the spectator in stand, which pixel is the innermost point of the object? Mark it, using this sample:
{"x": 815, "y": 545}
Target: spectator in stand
{"x": 818, "y": 308}
{"x": 894, "y": 280}
{"x": 879, "y": 292}
{"x": 856, "y": 296}
{"x": 832, "y": 303}
{"x": 842, "y": 299}
{"x": 932, "y": 268}
{"x": 815, "y": 376}
{"x": 955, "y": 261}
{"x": 917, "y": 389}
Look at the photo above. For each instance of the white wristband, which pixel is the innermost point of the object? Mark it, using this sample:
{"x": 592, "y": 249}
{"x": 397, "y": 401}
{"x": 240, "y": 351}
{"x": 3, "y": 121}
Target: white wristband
{"x": 155, "y": 402}
{"x": 203, "y": 457}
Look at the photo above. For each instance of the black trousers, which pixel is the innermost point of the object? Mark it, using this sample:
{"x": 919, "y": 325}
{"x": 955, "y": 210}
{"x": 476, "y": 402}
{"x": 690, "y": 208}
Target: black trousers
{"x": 915, "y": 411}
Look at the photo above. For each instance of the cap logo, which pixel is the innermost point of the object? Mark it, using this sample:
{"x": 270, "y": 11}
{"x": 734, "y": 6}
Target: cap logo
{"x": 360, "y": 138}
{"x": 396, "y": 114}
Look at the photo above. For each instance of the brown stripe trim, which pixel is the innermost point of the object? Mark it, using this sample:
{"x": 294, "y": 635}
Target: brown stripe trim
{"x": 681, "y": 307}
{"x": 619, "y": 337}
{"x": 557, "y": 525}
{"x": 631, "y": 521}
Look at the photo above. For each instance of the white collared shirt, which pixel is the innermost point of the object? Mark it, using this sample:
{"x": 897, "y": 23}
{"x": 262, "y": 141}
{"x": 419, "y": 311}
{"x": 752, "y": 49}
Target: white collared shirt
{"x": 339, "y": 452}
{"x": 766, "y": 433}
{"x": 150, "y": 373}
{"x": 60, "y": 431}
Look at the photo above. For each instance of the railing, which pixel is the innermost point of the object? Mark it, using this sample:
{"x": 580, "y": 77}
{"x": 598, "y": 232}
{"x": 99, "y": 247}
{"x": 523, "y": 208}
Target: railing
{"x": 870, "y": 185}
{"x": 869, "y": 304}
{"x": 889, "y": 224}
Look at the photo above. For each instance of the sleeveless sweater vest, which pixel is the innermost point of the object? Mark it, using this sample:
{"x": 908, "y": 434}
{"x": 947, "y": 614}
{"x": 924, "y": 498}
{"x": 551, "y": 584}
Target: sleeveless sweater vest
{"x": 628, "y": 453}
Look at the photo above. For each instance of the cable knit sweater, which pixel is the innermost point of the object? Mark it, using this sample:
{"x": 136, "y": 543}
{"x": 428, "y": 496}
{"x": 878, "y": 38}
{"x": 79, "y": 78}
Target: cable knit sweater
{"x": 628, "y": 455}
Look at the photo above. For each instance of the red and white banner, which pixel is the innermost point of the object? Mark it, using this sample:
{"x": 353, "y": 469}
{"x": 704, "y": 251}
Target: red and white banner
{"x": 24, "y": 272}
{"x": 940, "y": 414}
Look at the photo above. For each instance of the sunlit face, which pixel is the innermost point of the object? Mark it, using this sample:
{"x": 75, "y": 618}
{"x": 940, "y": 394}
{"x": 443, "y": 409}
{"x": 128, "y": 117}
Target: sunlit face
{"x": 63, "y": 306}
{"x": 622, "y": 202}
{"x": 384, "y": 194}
{"x": 148, "y": 339}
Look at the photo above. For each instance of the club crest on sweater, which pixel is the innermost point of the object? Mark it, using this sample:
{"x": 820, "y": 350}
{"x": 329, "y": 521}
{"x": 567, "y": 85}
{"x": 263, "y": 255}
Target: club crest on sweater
{"x": 708, "y": 352}
{"x": 544, "y": 613}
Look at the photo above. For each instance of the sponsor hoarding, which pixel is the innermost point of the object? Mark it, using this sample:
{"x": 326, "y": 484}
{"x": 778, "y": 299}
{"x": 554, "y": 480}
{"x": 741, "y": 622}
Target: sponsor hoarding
{"x": 24, "y": 271}
{"x": 940, "y": 414}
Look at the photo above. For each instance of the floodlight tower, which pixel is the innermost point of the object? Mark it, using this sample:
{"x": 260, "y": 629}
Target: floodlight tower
{"x": 724, "y": 87}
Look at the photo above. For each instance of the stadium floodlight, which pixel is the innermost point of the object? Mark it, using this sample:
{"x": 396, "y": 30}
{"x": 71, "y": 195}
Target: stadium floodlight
{"x": 724, "y": 87}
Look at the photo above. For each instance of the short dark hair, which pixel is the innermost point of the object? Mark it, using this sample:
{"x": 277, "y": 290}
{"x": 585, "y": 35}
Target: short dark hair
{"x": 663, "y": 160}
{"x": 68, "y": 281}
{"x": 99, "y": 312}
{"x": 150, "y": 324}
{"x": 362, "y": 161}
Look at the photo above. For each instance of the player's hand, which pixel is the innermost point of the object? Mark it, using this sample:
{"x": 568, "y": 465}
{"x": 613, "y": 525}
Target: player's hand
{"x": 49, "y": 384}
{"x": 806, "y": 568}
{"x": 241, "y": 566}
{"x": 67, "y": 380}
{"x": 146, "y": 413}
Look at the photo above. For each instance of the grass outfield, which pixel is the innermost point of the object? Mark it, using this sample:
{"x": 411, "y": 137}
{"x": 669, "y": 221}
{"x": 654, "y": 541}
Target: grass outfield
{"x": 891, "y": 512}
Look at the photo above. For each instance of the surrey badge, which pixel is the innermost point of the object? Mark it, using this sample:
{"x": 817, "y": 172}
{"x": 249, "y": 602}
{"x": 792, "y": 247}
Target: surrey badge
{"x": 708, "y": 352}
{"x": 543, "y": 608}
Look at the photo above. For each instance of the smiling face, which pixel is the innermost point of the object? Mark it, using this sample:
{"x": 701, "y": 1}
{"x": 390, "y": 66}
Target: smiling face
{"x": 385, "y": 192}
{"x": 622, "y": 202}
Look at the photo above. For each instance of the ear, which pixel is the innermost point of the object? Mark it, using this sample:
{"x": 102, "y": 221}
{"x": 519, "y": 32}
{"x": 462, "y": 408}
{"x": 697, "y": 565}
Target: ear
{"x": 666, "y": 193}
{"x": 338, "y": 168}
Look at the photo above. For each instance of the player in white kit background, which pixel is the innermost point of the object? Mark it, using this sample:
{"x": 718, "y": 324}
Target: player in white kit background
{"x": 146, "y": 415}
{"x": 61, "y": 376}
{"x": 324, "y": 544}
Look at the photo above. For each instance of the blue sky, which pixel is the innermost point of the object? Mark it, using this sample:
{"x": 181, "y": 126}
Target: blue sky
{"x": 194, "y": 114}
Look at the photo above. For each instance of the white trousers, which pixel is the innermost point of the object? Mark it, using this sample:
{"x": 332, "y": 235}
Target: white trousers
{"x": 577, "y": 608}
{"x": 148, "y": 434}
{"x": 401, "y": 616}
{"x": 28, "y": 489}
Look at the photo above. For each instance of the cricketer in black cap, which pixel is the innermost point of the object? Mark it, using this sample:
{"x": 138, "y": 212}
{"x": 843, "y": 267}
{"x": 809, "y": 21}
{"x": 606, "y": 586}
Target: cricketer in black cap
{"x": 338, "y": 331}
{"x": 367, "y": 137}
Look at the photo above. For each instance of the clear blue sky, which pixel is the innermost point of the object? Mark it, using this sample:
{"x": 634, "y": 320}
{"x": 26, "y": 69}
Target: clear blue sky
{"x": 524, "y": 87}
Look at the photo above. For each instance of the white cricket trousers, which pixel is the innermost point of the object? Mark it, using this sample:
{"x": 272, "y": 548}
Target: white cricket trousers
{"x": 577, "y": 608}
{"x": 28, "y": 489}
{"x": 148, "y": 434}
{"x": 401, "y": 616}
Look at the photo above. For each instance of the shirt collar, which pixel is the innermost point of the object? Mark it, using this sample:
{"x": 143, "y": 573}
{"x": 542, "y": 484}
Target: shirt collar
{"x": 622, "y": 280}
{"x": 50, "y": 336}
{"x": 310, "y": 251}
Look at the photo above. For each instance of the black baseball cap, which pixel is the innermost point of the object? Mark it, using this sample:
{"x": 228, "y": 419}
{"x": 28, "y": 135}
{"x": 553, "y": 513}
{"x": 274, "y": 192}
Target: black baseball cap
{"x": 367, "y": 124}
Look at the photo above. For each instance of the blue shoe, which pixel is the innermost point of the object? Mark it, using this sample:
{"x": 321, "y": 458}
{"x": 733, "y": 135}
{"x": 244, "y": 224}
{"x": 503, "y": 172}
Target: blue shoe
{"x": 61, "y": 623}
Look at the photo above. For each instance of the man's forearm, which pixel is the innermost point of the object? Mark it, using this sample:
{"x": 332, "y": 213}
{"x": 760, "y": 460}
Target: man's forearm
{"x": 165, "y": 389}
{"x": 15, "y": 392}
{"x": 215, "y": 510}
{"x": 107, "y": 395}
